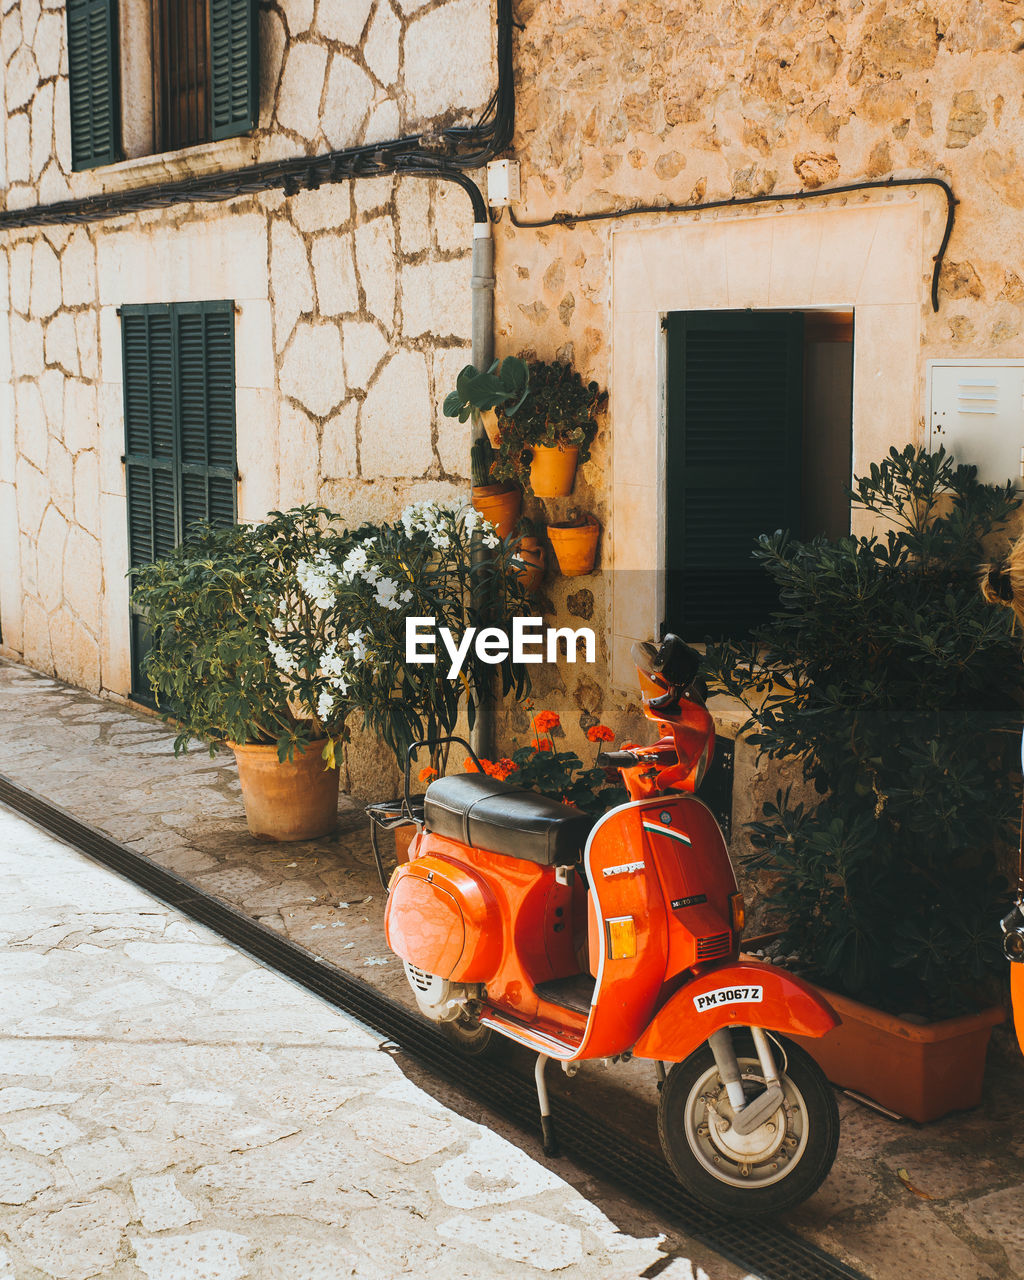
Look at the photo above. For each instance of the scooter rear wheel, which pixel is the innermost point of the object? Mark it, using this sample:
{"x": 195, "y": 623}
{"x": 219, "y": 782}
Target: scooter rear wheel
{"x": 470, "y": 1036}
{"x": 776, "y": 1167}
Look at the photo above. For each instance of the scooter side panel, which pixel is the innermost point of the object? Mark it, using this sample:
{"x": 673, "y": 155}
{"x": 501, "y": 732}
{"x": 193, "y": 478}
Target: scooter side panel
{"x": 624, "y": 884}
{"x": 742, "y": 994}
{"x": 443, "y": 918}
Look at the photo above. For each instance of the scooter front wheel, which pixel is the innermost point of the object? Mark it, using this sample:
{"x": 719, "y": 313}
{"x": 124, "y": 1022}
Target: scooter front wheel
{"x": 779, "y": 1164}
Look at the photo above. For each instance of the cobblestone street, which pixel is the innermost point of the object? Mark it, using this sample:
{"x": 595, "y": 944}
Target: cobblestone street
{"x": 170, "y": 1109}
{"x": 112, "y": 766}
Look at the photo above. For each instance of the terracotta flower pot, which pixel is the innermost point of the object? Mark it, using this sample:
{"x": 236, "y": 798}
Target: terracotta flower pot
{"x": 287, "y": 800}
{"x": 1017, "y": 996}
{"x": 553, "y": 470}
{"x": 530, "y": 555}
{"x": 404, "y": 837}
{"x": 500, "y": 504}
{"x": 919, "y": 1070}
{"x": 575, "y": 546}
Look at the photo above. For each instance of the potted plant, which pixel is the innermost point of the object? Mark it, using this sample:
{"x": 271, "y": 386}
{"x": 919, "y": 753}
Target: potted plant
{"x": 499, "y": 504}
{"x": 574, "y": 542}
{"x": 898, "y": 691}
{"x": 529, "y": 556}
{"x": 548, "y": 432}
{"x": 422, "y": 566}
{"x": 561, "y": 775}
{"x": 245, "y": 633}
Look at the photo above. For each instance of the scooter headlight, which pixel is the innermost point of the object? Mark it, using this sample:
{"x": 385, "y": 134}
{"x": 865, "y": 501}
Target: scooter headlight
{"x": 1013, "y": 934}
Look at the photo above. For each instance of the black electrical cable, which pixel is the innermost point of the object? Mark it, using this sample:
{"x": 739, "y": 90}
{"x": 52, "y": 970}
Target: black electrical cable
{"x": 441, "y": 155}
{"x": 570, "y": 219}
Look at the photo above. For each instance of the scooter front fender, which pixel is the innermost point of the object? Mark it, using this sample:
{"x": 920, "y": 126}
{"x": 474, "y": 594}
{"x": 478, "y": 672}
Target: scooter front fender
{"x": 735, "y": 993}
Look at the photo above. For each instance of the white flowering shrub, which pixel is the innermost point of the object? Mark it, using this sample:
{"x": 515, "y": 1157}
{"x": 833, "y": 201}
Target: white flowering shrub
{"x": 278, "y": 632}
{"x": 424, "y": 565}
{"x": 251, "y": 637}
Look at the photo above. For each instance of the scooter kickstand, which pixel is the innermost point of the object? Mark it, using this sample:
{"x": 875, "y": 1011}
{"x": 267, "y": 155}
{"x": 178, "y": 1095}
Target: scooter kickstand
{"x": 547, "y": 1126}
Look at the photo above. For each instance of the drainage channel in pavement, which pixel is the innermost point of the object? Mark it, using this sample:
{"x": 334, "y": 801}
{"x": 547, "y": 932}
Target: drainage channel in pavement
{"x": 765, "y": 1249}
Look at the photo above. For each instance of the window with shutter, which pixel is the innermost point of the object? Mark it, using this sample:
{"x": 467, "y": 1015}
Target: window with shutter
{"x": 179, "y": 418}
{"x": 93, "y": 82}
{"x": 733, "y": 463}
{"x": 234, "y": 68}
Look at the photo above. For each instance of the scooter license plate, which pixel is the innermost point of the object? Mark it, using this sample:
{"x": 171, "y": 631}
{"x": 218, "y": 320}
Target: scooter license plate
{"x": 727, "y": 995}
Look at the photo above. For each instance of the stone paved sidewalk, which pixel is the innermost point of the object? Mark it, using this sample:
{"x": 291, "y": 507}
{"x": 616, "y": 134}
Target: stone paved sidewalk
{"x": 112, "y": 766}
{"x": 170, "y": 1109}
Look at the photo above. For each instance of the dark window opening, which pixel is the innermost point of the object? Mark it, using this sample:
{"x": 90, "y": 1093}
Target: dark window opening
{"x": 181, "y": 72}
{"x": 759, "y": 413}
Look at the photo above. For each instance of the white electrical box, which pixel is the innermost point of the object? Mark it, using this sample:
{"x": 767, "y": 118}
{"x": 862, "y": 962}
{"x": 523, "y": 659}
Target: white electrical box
{"x": 502, "y": 183}
{"x": 976, "y": 410}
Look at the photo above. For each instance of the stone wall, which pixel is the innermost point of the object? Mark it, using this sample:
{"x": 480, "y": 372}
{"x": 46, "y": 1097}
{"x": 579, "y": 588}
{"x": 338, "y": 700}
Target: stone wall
{"x": 648, "y": 102}
{"x": 353, "y": 304}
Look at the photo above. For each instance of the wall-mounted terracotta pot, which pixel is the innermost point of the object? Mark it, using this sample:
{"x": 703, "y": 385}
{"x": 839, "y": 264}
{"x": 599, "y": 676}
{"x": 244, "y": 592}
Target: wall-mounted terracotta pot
{"x": 500, "y": 504}
{"x": 287, "y": 799}
{"x": 530, "y": 555}
{"x": 553, "y": 470}
{"x": 575, "y": 546}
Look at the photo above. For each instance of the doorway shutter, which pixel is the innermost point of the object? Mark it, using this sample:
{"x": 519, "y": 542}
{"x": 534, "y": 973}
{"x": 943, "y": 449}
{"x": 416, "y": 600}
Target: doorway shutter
{"x": 93, "y": 83}
{"x": 733, "y": 463}
{"x": 234, "y": 68}
{"x": 179, "y": 418}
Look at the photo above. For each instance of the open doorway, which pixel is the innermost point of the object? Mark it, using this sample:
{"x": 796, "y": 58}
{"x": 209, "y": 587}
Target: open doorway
{"x": 759, "y": 438}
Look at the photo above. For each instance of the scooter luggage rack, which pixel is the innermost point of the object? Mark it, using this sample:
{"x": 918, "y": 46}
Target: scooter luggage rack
{"x": 386, "y": 815}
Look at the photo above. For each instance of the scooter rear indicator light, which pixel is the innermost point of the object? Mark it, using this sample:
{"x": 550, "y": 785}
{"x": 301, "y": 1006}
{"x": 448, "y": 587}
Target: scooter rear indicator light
{"x": 737, "y": 913}
{"x": 620, "y": 932}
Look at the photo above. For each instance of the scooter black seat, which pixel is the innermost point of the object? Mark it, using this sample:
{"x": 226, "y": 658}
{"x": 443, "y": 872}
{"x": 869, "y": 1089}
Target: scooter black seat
{"x": 500, "y": 818}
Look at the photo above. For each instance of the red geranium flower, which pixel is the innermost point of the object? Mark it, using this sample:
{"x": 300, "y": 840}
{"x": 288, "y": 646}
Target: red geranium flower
{"x": 545, "y": 721}
{"x": 426, "y": 773}
{"x": 544, "y": 745}
{"x": 504, "y": 767}
{"x": 600, "y": 733}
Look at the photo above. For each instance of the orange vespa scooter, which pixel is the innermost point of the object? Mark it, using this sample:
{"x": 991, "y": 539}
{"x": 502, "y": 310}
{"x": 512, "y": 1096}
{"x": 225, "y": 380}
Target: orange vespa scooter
{"x": 620, "y": 938}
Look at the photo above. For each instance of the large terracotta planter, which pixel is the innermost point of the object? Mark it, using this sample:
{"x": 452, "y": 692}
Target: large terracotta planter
{"x": 575, "y": 546}
{"x": 922, "y": 1071}
{"x": 530, "y": 556}
{"x": 287, "y": 800}
{"x": 500, "y": 504}
{"x": 553, "y": 470}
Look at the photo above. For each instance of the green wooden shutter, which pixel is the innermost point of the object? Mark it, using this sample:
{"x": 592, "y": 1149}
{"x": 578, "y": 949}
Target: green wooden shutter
{"x": 234, "y": 68}
{"x": 94, "y": 82}
{"x": 206, "y": 359}
{"x": 179, "y": 419}
{"x": 735, "y": 412}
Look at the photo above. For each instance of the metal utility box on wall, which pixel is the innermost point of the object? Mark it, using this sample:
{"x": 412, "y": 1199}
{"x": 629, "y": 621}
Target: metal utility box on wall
{"x": 976, "y": 410}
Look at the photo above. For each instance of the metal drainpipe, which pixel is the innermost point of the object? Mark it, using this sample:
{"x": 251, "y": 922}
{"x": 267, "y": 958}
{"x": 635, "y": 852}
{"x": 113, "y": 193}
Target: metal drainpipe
{"x": 482, "y": 734}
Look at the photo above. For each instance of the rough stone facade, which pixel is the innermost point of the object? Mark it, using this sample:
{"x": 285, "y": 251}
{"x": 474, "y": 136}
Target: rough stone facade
{"x": 353, "y": 304}
{"x": 645, "y": 102}
{"x": 355, "y": 300}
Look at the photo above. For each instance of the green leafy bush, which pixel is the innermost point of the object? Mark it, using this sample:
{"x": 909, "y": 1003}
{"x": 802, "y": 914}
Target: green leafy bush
{"x": 242, "y": 642}
{"x": 899, "y": 690}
